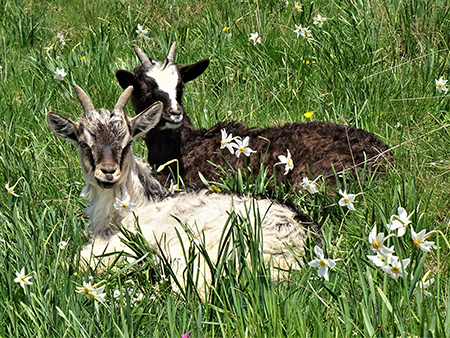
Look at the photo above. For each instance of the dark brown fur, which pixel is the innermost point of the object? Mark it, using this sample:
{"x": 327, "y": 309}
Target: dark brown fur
{"x": 315, "y": 147}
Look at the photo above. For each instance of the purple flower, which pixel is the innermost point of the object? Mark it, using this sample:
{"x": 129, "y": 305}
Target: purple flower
{"x": 185, "y": 335}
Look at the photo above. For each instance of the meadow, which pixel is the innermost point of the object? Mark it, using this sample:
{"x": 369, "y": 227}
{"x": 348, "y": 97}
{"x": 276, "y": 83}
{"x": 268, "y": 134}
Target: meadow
{"x": 371, "y": 64}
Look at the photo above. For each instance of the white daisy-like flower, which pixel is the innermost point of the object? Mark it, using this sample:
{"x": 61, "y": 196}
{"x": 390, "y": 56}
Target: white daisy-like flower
{"x": 287, "y": 161}
{"x": 255, "y": 37}
{"x": 60, "y": 74}
{"x": 377, "y": 242}
{"x": 305, "y": 32}
{"x": 396, "y": 268}
{"x": 226, "y": 141}
{"x": 322, "y": 263}
{"x": 319, "y": 20}
{"x": 62, "y": 245}
{"x": 298, "y": 29}
{"x": 441, "y": 85}
{"x": 10, "y": 190}
{"x": 123, "y": 205}
{"x": 347, "y": 200}
{"x": 400, "y": 222}
{"x": 242, "y": 147}
{"x": 92, "y": 292}
{"x": 420, "y": 242}
{"x": 61, "y": 40}
{"x": 173, "y": 187}
{"x": 309, "y": 186}
{"x": 379, "y": 259}
{"x": 141, "y": 31}
{"x": 23, "y": 279}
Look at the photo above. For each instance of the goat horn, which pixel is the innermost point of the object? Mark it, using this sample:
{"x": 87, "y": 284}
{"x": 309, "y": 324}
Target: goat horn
{"x": 123, "y": 99}
{"x": 171, "y": 52}
{"x": 169, "y": 58}
{"x": 142, "y": 57}
{"x": 85, "y": 101}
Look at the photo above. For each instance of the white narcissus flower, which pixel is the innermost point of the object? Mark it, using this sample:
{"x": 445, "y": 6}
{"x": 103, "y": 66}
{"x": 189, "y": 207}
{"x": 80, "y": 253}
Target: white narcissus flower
{"x": 422, "y": 285}
{"x": 92, "y": 291}
{"x": 287, "y": 161}
{"x": 141, "y": 32}
{"x": 255, "y": 37}
{"x": 379, "y": 259}
{"x": 62, "y": 245}
{"x": 305, "y": 32}
{"x": 310, "y": 186}
{"x": 321, "y": 262}
{"x": 347, "y": 200}
{"x": 377, "y": 243}
{"x": 298, "y": 29}
{"x": 10, "y": 190}
{"x": 400, "y": 222}
{"x": 226, "y": 141}
{"x": 123, "y": 205}
{"x": 441, "y": 85}
{"x": 23, "y": 279}
{"x": 173, "y": 187}
{"x": 319, "y": 20}
{"x": 60, "y": 74}
{"x": 242, "y": 147}
{"x": 61, "y": 40}
{"x": 396, "y": 268}
{"x": 419, "y": 240}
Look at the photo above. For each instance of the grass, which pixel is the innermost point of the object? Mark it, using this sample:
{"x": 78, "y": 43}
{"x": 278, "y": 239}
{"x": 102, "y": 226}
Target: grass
{"x": 372, "y": 65}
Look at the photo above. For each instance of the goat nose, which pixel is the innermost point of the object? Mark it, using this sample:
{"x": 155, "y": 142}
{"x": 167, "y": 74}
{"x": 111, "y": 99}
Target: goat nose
{"x": 108, "y": 169}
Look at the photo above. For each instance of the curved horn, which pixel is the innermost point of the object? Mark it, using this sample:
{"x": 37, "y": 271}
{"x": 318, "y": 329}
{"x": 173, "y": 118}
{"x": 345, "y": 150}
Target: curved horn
{"x": 85, "y": 101}
{"x": 146, "y": 62}
{"x": 169, "y": 58}
{"x": 123, "y": 99}
{"x": 171, "y": 52}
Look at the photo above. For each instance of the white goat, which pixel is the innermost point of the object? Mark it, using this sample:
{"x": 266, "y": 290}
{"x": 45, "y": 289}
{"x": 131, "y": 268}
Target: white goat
{"x": 103, "y": 140}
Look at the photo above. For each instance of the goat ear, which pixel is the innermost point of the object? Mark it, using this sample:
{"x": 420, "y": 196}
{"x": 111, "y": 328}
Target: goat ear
{"x": 146, "y": 120}
{"x": 189, "y": 73}
{"x": 63, "y": 127}
{"x": 125, "y": 79}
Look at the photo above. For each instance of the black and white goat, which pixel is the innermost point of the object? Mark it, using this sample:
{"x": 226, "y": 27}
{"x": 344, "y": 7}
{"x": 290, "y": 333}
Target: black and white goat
{"x": 315, "y": 147}
{"x": 103, "y": 139}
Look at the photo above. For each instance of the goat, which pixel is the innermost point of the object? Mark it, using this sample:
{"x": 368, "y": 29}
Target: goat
{"x": 103, "y": 140}
{"x": 318, "y": 148}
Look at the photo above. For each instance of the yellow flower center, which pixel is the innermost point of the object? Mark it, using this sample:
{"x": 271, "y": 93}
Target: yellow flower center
{"x": 214, "y": 188}
{"x": 439, "y": 84}
{"x": 124, "y": 206}
{"x": 322, "y": 263}
{"x": 346, "y": 201}
{"x": 319, "y": 21}
{"x": 308, "y": 186}
{"x": 222, "y": 142}
{"x": 395, "y": 269}
{"x": 376, "y": 245}
{"x": 416, "y": 242}
{"x": 288, "y": 161}
{"x": 241, "y": 149}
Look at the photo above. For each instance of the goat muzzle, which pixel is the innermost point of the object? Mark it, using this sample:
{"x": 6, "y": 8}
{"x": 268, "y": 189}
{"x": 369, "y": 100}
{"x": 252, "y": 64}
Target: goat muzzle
{"x": 107, "y": 175}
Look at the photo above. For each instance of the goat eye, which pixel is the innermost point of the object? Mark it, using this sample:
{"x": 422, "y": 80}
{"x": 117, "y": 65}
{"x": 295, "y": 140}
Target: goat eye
{"x": 84, "y": 145}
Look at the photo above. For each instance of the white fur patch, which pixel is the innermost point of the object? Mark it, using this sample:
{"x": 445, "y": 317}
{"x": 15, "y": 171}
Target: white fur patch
{"x": 167, "y": 80}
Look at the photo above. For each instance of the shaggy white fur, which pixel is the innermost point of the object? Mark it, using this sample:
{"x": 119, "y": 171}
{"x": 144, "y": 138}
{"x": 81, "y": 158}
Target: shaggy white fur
{"x": 204, "y": 214}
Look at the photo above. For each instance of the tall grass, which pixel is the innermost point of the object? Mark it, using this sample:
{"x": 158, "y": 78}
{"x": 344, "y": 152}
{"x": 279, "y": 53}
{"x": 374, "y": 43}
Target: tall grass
{"x": 371, "y": 65}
